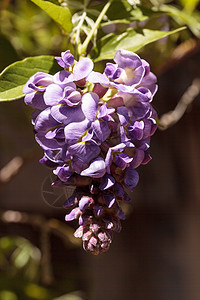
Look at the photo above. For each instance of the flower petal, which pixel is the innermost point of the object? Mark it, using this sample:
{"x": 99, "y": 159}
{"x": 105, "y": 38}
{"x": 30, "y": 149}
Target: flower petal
{"x": 137, "y": 159}
{"x": 82, "y": 68}
{"x": 66, "y": 114}
{"x": 139, "y": 110}
{"x": 63, "y": 77}
{"x": 74, "y": 214}
{"x": 53, "y": 94}
{"x": 74, "y": 130}
{"x": 132, "y": 77}
{"x": 89, "y": 105}
{"x": 96, "y": 77}
{"x": 70, "y": 201}
{"x": 127, "y": 59}
{"x": 118, "y": 190}
{"x": 122, "y": 113}
{"x": 35, "y": 100}
{"x": 96, "y": 169}
{"x": 63, "y": 172}
{"x": 107, "y": 182}
{"x": 66, "y": 60}
{"x": 38, "y": 80}
{"x": 122, "y": 160}
{"x": 45, "y": 143}
{"x": 136, "y": 130}
{"x": 131, "y": 178}
{"x": 82, "y": 154}
{"x": 109, "y": 200}
{"x": 85, "y": 202}
{"x": 101, "y": 130}
{"x": 45, "y": 121}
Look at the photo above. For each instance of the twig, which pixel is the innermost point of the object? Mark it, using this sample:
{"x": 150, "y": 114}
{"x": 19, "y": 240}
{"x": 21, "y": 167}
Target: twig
{"x": 83, "y": 48}
{"x": 54, "y": 226}
{"x": 13, "y": 167}
{"x": 175, "y": 115}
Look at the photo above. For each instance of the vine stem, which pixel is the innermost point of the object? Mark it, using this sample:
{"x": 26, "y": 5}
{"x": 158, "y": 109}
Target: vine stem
{"x": 83, "y": 47}
{"x": 78, "y": 33}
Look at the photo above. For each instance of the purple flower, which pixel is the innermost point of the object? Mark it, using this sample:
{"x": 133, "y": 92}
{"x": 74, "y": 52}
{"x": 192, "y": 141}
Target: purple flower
{"x": 95, "y": 130}
{"x": 122, "y": 160}
{"x": 134, "y": 83}
{"x": 81, "y": 155}
{"x": 38, "y": 82}
{"x": 105, "y": 112}
{"x": 49, "y": 133}
{"x": 128, "y": 71}
{"x": 149, "y": 79}
{"x": 112, "y": 71}
{"x": 85, "y": 202}
{"x": 66, "y": 60}
{"x": 63, "y": 172}
{"x": 34, "y": 89}
{"x": 131, "y": 178}
{"x": 65, "y": 95}
{"x": 112, "y": 153}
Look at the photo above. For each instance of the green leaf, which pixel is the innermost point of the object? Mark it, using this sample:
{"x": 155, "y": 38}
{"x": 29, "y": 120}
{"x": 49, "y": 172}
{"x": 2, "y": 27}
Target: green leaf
{"x": 58, "y": 13}
{"x": 118, "y": 10}
{"x": 183, "y": 18}
{"x": 13, "y": 78}
{"x": 130, "y": 40}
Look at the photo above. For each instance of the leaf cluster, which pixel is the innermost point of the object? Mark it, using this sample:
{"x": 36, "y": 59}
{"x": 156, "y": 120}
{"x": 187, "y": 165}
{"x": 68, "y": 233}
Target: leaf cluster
{"x": 21, "y": 275}
{"x": 138, "y": 26}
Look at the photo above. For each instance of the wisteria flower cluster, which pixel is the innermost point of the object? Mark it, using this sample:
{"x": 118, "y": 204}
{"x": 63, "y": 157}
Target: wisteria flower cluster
{"x": 95, "y": 131}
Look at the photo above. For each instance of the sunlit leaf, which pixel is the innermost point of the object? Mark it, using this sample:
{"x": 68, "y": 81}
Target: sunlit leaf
{"x": 189, "y": 5}
{"x": 58, "y": 13}
{"x": 36, "y": 292}
{"x": 21, "y": 256}
{"x": 8, "y": 295}
{"x": 130, "y": 40}
{"x": 13, "y": 78}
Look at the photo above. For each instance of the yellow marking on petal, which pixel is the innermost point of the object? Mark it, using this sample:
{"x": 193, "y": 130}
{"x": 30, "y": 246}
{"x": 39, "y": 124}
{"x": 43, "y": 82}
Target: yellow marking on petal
{"x": 109, "y": 94}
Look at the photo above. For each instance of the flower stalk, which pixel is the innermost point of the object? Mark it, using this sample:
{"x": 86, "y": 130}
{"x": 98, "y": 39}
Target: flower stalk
{"x": 83, "y": 48}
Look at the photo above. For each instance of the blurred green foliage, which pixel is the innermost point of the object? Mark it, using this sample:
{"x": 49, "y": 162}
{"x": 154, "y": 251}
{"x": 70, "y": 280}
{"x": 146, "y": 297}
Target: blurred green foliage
{"x": 20, "y": 273}
{"x": 26, "y": 30}
{"x": 20, "y": 269}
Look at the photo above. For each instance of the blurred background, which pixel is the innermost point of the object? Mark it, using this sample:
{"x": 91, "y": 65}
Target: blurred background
{"x": 157, "y": 254}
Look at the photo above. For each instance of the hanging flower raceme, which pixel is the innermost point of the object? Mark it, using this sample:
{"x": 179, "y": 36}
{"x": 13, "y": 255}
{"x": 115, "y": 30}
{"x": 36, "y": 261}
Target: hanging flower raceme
{"x": 95, "y": 131}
